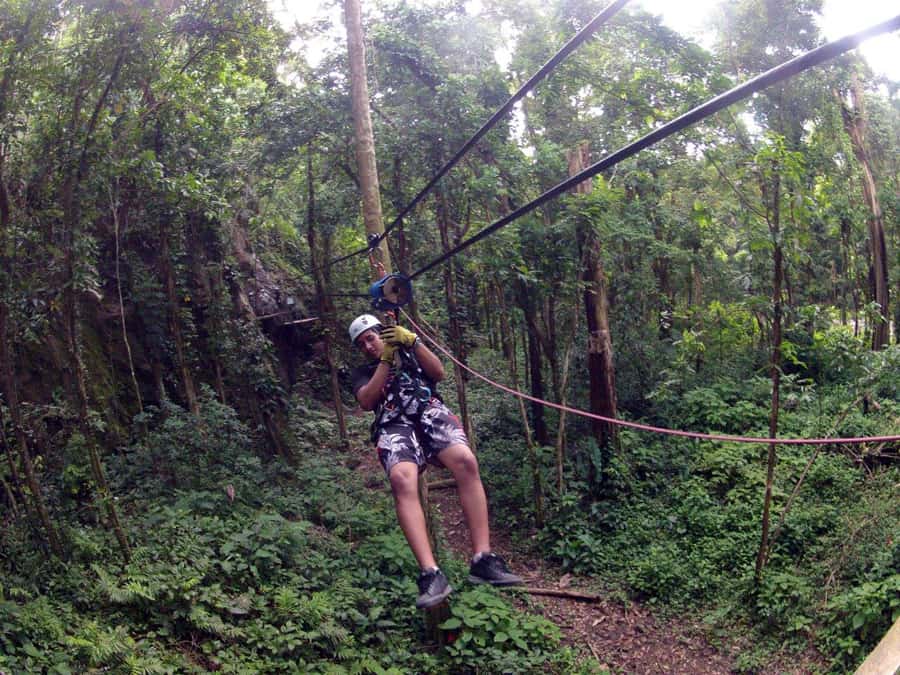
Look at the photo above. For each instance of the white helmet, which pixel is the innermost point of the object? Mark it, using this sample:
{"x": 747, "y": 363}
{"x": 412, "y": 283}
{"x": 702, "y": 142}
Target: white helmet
{"x": 361, "y": 324}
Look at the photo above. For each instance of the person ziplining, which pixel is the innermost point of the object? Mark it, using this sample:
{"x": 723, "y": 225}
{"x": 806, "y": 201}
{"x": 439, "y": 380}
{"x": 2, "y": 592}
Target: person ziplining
{"x": 413, "y": 428}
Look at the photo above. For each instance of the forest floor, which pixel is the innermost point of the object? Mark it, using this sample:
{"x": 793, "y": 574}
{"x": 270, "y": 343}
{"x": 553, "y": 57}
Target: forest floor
{"x": 623, "y": 636}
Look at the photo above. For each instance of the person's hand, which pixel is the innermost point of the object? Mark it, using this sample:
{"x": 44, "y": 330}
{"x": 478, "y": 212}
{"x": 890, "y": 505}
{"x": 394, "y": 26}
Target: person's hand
{"x": 398, "y": 336}
{"x": 387, "y": 354}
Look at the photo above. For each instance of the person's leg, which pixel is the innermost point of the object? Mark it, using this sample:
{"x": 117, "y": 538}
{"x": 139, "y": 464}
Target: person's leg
{"x": 463, "y": 464}
{"x": 404, "y": 484}
{"x": 443, "y": 429}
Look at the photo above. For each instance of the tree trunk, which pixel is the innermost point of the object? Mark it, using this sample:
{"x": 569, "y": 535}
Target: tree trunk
{"x": 403, "y": 250}
{"x": 10, "y": 393}
{"x": 173, "y": 307}
{"x": 537, "y": 383}
{"x": 855, "y": 125}
{"x": 70, "y": 203}
{"x": 326, "y": 307}
{"x": 601, "y": 370}
{"x": 8, "y": 383}
{"x": 13, "y": 469}
{"x": 546, "y": 333}
{"x": 534, "y": 370}
{"x": 563, "y": 399}
{"x": 167, "y": 277}
{"x": 509, "y": 349}
{"x": 362, "y": 127}
{"x": 114, "y": 208}
{"x": 600, "y": 354}
{"x": 774, "y": 370}
{"x": 443, "y": 218}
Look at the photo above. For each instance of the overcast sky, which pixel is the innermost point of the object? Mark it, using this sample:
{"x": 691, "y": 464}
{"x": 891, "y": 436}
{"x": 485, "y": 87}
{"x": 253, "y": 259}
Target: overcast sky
{"x": 840, "y": 17}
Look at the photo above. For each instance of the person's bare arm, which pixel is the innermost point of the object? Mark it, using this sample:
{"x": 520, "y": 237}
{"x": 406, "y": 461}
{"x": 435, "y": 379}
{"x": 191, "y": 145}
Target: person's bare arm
{"x": 430, "y": 363}
{"x": 369, "y": 394}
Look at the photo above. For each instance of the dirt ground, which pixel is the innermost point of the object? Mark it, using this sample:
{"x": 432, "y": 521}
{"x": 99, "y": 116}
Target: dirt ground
{"x": 624, "y": 637}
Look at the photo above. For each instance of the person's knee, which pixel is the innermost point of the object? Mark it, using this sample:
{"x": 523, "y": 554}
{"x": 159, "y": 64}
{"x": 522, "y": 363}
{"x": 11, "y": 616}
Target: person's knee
{"x": 465, "y": 466}
{"x": 404, "y": 478}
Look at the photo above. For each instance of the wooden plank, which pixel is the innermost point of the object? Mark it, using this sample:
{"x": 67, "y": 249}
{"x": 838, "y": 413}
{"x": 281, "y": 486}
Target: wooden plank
{"x": 885, "y": 658}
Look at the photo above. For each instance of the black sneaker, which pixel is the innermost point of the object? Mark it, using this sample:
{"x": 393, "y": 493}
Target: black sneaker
{"x": 492, "y": 569}
{"x": 433, "y": 588}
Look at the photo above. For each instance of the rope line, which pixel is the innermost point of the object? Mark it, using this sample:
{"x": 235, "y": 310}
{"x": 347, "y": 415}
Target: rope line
{"x": 647, "y": 427}
{"x": 777, "y": 74}
{"x": 545, "y": 70}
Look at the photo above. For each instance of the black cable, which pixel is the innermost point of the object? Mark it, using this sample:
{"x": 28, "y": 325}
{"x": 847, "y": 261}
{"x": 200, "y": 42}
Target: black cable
{"x": 777, "y": 74}
{"x": 548, "y": 67}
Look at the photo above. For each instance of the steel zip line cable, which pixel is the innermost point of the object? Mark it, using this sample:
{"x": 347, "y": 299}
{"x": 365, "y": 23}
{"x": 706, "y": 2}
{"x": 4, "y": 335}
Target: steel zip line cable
{"x": 777, "y": 74}
{"x": 545, "y": 70}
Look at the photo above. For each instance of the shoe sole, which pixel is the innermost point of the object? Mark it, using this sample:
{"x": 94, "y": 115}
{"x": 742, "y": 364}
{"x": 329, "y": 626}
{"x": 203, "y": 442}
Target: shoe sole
{"x": 478, "y": 580}
{"x": 436, "y": 600}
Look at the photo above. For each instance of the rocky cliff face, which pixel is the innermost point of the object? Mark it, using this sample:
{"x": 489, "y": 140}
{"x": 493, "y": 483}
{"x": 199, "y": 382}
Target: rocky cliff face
{"x": 245, "y": 332}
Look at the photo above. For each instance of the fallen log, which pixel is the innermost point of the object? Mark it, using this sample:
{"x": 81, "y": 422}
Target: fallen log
{"x": 560, "y": 593}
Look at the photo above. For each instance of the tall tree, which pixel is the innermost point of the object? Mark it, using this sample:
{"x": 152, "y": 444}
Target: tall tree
{"x": 362, "y": 126}
{"x": 853, "y": 114}
{"x": 601, "y": 367}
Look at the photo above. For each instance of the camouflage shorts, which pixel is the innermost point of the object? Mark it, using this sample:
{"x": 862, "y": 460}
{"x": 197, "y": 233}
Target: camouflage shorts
{"x": 421, "y": 440}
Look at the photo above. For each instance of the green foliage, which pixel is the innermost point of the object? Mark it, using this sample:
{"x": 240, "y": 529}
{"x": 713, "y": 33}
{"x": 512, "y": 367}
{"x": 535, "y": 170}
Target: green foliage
{"x": 686, "y": 529}
{"x": 494, "y": 636}
{"x": 249, "y": 588}
{"x": 858, "y": 618}
{"x": 182, "y": 452}
{"x": 159, "y": 152}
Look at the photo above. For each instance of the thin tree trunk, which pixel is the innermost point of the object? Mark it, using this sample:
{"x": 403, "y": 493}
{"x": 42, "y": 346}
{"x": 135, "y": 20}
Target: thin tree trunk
{"x": 534, "y": 371}
{"x": 846, "y": 276}
{"x": 173, "y": 305}
{"x": 563, "y": 399}
{"x": 114, "y": 207}
{"x": 537, "y": 385}
{"x": 601, "y": 370}
{"x": 489, "y": 316}
{"x": 13, "y": 469}
{"x": 326, "y": 308}
{"x": 8, "y": 379}
{"x": 167, "y": 276}
{"x": 443, "y": 218}
{"x": 855, "y": 125}
{"x": 11, "y": 498}
{"x": 10, "y": 391}
{"x": 775, "y": 372}
{"x": 69, "y": 197}
{"x": 549, "y": 342}
{"x": 509, "y": 349}
{"x": 362, "y": 127}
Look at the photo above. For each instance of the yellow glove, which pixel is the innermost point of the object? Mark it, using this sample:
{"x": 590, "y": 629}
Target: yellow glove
{"x": 387, "y": 354}
{"x": 398, "y": 336}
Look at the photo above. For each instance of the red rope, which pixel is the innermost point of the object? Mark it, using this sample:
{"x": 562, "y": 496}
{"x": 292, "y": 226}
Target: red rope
{"x": 647, "y": 427}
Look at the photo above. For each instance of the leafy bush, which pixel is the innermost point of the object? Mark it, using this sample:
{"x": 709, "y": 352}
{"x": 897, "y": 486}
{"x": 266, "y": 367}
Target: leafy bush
{"x": 858, "y": 618}
{"x": 495, "y": 637}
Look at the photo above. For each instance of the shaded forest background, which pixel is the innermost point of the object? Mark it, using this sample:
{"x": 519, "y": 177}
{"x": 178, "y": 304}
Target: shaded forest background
{"x": 178, "y": 441}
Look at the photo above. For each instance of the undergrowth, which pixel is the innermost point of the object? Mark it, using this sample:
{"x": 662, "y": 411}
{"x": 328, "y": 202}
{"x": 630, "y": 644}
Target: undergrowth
{"x": 241, "y": 565}
{"x": 677, "y": 522}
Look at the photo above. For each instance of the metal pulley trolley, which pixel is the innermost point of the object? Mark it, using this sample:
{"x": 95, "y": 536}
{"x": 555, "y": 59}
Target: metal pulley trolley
{"x": 391, "y": 292}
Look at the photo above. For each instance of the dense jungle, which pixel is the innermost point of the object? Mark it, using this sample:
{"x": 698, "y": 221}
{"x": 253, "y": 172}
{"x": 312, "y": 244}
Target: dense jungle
{"x": 187, "y": 483}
